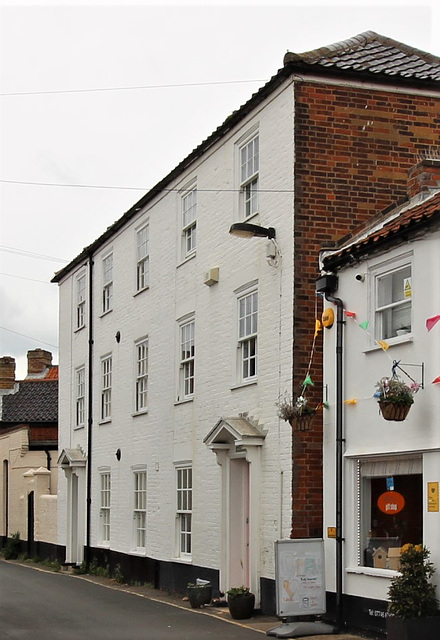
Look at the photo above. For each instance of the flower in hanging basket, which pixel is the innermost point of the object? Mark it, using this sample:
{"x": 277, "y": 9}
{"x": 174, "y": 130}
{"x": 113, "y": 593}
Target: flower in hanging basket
{"x": 395, "y": 397}
{"x": 298, "y": 412}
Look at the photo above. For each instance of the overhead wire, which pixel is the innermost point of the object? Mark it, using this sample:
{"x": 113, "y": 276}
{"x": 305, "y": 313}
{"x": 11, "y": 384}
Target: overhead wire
{"x": 133, "y": 88}
{"x": 29, "y": 337}
{"x": 145, "y": 189}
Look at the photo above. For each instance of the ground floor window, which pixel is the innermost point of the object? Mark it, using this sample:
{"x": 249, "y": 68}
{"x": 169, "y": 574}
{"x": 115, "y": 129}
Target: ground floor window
{"x": 390, "y": 500}
{"x": 184, "y": 511}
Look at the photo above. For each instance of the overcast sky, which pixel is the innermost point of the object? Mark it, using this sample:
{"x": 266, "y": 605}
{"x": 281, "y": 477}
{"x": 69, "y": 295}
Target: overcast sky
{"x": 100, "y": 101}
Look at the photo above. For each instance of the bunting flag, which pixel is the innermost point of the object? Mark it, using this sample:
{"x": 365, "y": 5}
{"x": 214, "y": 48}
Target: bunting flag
{"x": 436, "y": 381}
{"x": 318, "y": 327}
{"x": 350, "y": 314}
{"x": 351, "y": 401}
{"x": 364, "y": 325}
{"x": 385, "y": 346}
{"x": 308, "y": 381}
{"x": 431, "y": 322}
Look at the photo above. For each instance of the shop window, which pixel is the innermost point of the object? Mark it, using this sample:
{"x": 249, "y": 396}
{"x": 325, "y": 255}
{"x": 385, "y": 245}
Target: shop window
{"x": 391, "y": 510}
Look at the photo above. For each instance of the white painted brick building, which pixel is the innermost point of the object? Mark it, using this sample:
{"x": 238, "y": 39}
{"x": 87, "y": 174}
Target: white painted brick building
{"x": 241, "y": 507}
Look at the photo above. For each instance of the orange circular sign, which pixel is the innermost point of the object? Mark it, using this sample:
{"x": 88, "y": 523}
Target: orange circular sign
{"x": 328, "y": 317}
{"x": 391, "y": 502}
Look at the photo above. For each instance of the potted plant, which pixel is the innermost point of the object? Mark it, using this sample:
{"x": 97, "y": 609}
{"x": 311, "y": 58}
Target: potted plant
{"x": 395, "y": 398}
{"x": 241, "y": 602}
{"x": 297, "y": 412}
{"x": 413, "y": 607}
{"x": 199, "y": 594}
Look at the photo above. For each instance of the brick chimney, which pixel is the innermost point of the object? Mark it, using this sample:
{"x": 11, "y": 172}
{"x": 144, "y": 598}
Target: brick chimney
{"x": 38, "y": 361}
{"x": 424, "y": 177}
{"x": 7, "y": 372}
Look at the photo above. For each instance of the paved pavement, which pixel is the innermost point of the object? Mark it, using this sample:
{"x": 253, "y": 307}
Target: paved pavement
{"x": 258, "y": 623}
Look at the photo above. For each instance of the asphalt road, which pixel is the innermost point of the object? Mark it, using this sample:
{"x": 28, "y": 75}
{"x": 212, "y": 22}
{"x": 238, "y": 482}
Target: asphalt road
{"x": 37, "y": 605}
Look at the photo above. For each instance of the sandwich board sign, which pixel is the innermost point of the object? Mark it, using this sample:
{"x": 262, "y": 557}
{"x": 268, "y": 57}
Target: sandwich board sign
{"x": 300, "y": 579}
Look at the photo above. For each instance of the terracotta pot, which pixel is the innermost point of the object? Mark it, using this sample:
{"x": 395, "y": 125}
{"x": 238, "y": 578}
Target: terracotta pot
{"x": 427, "y": 628}
{"x": 241, "y": 607}
{"x": 393, "y": 410}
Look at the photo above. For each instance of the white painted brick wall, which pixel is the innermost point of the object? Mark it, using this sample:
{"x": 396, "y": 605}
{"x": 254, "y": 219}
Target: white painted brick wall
{"x": 172, "y": 432}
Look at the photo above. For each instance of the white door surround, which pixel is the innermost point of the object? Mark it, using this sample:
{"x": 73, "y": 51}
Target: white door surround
{"x": 237, "y": 444}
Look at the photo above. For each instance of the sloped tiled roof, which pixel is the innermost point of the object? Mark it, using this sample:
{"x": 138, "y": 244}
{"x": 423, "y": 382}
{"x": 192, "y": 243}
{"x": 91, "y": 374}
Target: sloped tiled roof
{"x": 35, "y": 401}
{"x": 403, "y": 222}
{"x": 372, "y": 53}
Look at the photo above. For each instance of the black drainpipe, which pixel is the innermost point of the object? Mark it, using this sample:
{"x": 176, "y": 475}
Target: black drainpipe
{"x": 326, "y": 285}
{"x": 89, "y": 417}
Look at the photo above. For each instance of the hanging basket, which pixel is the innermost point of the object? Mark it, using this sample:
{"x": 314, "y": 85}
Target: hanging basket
{"x": 394, "y": 411}
{"x": 302, "y": 423}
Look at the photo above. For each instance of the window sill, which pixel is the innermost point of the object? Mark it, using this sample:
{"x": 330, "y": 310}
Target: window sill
{"x": 141, "y": 553}
{"x": 138, "y": 293}
{"x": 248, "y": 383}
{"x": 78, "y": 329}
{"x": 78, "y": 427}
{"x": 372, "y": 571}
{"x": 182, "y": 560}
{"x": 184, "y": 400}
{"x": 187, "y": 259}
{"x": 105, "y": 313}
{"x": 392, "y": 342}
{"x": 104, "y": 545}
{"x": 106, "y": 421}
{"x": 135, "y": 414}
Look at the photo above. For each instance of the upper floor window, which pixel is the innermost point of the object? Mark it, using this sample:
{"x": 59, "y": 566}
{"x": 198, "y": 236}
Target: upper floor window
{"x": 184, "y": 511}
{"x": 393, "y": 301}
{"x": 187, "y": 357}
{"x": 189, "y": 222}
{"x": 80, "y": 396}
{"x": 140, "y": 509}
{"x": 106, "y": 388}
{"x": 143, "y": 258}
{"x": 107, "y": 289}
{"x": 141, "y": 375}
{"x": 104, "y": 511}
{"x": 81, "y": 302}
{"x": 247, "y": 335}
{"x": 249, "y": 180}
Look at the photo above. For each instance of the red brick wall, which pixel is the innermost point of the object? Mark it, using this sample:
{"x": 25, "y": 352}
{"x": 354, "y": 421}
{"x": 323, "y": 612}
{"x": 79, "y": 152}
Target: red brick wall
{"x": 354, "y": 149}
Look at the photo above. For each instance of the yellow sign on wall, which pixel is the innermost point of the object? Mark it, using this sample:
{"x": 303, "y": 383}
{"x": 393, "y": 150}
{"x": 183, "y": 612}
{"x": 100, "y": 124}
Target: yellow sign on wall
{"x": 433, "y": 498}
{"x": 328, "y": 318}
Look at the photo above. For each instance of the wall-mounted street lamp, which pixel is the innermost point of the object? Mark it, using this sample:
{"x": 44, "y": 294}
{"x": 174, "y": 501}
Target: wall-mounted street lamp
{"x": 246, "y": 230}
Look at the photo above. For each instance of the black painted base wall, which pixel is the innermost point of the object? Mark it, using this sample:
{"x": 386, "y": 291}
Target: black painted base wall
{"x": 360, "y": 614}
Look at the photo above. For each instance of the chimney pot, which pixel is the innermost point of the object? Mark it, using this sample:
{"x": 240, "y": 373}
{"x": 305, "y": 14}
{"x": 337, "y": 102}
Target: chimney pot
{"x": 7, "y": 372}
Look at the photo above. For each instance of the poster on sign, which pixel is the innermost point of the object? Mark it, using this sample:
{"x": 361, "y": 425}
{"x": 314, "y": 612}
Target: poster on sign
{"x": 300, "y": 580}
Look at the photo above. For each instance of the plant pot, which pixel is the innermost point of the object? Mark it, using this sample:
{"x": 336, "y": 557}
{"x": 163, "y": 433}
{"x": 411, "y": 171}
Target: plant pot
{"x": 427, "y": 628}
{"x": 199, "y": 595}
{"x": 302, "y": 423}
{"x": 394, "y": 410}
{"x": 241, "y": 607}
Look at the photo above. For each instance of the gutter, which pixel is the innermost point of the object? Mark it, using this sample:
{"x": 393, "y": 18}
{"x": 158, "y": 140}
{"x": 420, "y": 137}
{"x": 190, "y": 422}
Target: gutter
{"x": 327, "y": 285}
{"x": 89, "y": 416}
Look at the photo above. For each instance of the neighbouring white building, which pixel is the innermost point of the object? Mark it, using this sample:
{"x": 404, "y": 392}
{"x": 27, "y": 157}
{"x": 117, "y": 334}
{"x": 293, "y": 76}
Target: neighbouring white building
{"x": 388, "y": 285}
{"x": 177, "y": 338}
